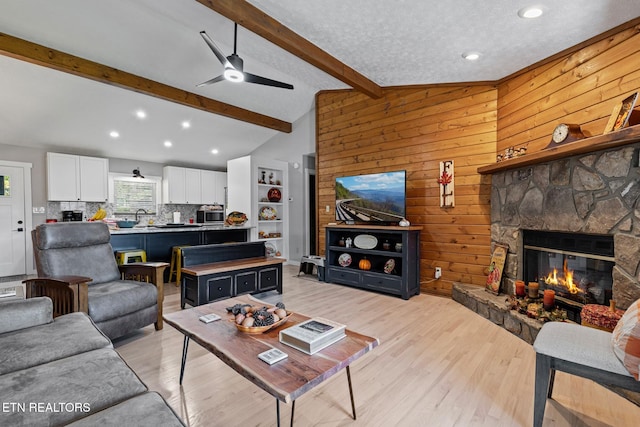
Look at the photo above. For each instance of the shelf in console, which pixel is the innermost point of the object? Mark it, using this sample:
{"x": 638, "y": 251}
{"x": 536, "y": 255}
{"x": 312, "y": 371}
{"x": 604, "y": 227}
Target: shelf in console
{"x": 367, "y": 251}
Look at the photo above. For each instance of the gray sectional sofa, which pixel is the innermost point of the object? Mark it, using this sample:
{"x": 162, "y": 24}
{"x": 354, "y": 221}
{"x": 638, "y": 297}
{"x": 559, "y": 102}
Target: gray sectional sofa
{"x": 64, "y": 371}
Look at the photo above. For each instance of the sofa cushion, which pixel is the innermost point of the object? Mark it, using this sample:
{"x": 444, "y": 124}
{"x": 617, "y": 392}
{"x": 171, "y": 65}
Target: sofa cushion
{"x": 25, "y": 313}
{"x": 66, "y": 336}
{"x": 148, "y": 409}
{"x": 118, "y": 298}
{"x": 89, "y": 381}
{"x": 625, "y": 339}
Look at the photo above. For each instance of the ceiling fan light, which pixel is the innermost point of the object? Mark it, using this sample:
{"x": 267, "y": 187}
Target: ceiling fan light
{"x": 233, "y": 75}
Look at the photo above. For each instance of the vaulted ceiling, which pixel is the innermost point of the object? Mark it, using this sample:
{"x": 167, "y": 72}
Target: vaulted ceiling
{"x": 153, "y": 47}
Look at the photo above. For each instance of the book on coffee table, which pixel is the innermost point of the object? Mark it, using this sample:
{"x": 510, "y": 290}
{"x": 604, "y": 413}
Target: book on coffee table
{"x": 312, "y": 335}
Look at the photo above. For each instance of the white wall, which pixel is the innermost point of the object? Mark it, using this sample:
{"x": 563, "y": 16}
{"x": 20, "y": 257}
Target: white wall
{"x": 290, "y": 147}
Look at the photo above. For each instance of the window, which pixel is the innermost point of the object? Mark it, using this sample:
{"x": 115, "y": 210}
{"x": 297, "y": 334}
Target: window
{"x": 5, "y": 186}
{"x": 128, "y": 194}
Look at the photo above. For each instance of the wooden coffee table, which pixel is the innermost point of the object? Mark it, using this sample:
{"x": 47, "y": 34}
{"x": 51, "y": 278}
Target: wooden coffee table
{"x": 285, "y": 380}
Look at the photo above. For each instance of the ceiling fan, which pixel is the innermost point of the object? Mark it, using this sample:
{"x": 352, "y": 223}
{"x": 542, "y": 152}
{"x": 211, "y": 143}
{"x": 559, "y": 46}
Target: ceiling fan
{"x": 233, "y": 66}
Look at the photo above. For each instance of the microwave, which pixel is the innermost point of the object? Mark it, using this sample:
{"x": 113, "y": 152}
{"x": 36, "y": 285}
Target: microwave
{"x": 204, "y": 217}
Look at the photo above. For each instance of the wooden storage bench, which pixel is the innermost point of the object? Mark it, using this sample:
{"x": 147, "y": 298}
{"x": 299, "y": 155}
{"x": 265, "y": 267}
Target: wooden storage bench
{"x": 214, "y": 272}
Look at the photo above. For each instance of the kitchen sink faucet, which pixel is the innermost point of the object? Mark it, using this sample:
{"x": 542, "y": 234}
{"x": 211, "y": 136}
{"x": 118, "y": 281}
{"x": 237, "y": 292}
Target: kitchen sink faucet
{"x": 143, "y": 210}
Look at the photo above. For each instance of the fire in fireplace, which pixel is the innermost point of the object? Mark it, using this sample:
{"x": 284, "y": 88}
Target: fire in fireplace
{"x": 578, "y": 267}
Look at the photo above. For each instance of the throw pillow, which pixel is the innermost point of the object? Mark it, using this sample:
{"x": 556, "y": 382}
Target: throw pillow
{"x": 626, "y": 339}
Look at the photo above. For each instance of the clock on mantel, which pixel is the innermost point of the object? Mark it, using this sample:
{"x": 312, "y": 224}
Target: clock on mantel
{"x": 564, "y": 133}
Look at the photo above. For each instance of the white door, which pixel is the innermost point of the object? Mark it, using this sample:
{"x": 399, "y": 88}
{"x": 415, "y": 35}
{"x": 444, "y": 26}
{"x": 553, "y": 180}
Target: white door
{"x": 13, "y": 230}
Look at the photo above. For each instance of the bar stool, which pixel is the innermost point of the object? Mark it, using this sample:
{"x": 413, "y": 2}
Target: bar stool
{"x": 176, "y": 263}
{"x": 131, "y": 255}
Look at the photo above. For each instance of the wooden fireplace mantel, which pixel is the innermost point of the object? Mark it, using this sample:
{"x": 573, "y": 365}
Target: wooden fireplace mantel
{"x": 619, "y": 138}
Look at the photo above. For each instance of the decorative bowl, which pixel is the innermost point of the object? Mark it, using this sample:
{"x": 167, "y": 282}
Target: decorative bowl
{"x": 261, "y": 329}
{"x": 236, "y": 218}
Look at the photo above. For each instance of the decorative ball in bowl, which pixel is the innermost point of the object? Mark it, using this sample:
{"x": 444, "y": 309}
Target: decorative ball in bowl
{"x": 257, "y": 319}
{"x": 274, "y": 195}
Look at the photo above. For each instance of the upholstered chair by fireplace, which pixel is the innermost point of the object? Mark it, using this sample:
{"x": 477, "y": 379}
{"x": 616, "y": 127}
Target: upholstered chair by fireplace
{"x": 77, "y": 269}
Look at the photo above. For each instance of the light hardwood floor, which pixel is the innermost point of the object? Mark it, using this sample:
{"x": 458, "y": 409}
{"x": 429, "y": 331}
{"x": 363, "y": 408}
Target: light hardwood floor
{"x": 438, "y": 364}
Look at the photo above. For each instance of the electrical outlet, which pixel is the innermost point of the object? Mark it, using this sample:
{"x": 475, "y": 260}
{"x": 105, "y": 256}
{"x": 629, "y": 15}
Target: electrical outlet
{"x": 327, "y": 208}
{"x": 438, "y": 272}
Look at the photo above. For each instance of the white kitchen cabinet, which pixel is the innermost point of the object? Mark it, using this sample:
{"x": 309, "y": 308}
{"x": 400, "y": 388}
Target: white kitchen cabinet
{"x": 94, "y": 179}
{"x": 249, "y": 183}
{"x": 192, "y": 186}
{"x": 77, "y": 178}
{"x": 174, "y": 185}
{"x": 213, "y": 184}
{"x": 221, "y": 187}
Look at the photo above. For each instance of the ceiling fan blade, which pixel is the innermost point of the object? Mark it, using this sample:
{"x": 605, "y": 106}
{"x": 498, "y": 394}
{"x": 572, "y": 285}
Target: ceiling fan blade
{"x": 252, "y": 78}
{"x": 223, "y": 60}
{"x": 212, "y": 81}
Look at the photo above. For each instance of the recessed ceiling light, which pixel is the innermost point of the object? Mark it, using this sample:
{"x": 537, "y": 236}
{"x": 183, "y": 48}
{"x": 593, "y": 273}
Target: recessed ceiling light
{"x": 168, "y": 143}
{"x": 214, "y": 151}
{"x": 141, "y": 114}
{"x": 471, "y": 56}
{"x": 186, "y": 124}
{"x": 530, "y": 12}
{"x": 114, "y": 134}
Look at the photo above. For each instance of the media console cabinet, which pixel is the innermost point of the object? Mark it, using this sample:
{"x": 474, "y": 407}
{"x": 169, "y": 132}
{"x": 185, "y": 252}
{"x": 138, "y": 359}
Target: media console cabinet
{"x": 394, "y": 260}
{"x": 214, "y": 272}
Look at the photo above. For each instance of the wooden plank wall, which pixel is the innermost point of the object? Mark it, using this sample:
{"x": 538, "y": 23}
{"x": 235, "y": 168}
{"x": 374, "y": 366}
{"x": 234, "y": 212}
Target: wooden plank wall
{"x": 414, "y": 129}
{"x": 580, "y": 88}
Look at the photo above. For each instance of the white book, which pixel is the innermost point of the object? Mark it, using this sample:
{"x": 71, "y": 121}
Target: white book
{"x": 312, "y": 335}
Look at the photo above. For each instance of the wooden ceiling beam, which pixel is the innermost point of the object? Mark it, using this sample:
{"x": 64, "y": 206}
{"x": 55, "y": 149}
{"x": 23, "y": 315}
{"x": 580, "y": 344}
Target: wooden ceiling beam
{"x": 41, "y": 55}
{"x": 258, "y": 22}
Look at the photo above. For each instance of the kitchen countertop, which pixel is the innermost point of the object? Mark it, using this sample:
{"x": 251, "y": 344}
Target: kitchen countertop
{"x": 195, "y": 227}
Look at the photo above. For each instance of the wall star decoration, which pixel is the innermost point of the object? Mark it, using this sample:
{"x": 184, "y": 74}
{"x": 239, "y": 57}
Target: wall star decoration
{"x": 446, "y": 181}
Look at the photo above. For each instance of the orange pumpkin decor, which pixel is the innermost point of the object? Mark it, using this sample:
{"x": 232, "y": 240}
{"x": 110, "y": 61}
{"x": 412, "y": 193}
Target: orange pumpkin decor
{"x": 364, "y": 264}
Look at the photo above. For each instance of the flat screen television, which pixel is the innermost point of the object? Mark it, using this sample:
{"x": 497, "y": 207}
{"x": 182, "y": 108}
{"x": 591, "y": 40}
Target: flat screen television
{"x": 371, "y": 198}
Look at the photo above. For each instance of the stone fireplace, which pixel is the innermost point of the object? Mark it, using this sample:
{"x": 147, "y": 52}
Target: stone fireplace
{"x": 593, "y": 194}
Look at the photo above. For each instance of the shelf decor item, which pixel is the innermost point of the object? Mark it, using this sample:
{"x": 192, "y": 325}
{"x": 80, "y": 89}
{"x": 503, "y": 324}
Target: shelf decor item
{"x": 270, "y": 249}
{"x": 236, "y": 218}
{"x": 268, "y": 213}
{"x": 445, "y": 180}
{"x": 621, "y": 115}
{"x": 274, "y": 195}
{"x": 365, "y": 241}
{"x": 344, "y": 260}
{"x": 564, "y": 133}
{"x": 364, "y": 264}
{"x": 496, "y": 267}
{"x": 389, "y": 266}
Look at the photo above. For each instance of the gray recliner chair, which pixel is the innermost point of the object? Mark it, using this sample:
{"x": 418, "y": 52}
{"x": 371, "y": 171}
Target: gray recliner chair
{"x": 77, "y": 269}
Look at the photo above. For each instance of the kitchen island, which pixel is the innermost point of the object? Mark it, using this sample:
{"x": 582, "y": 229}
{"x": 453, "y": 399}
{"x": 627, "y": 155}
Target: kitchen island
{"x": 158, "y": 241}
